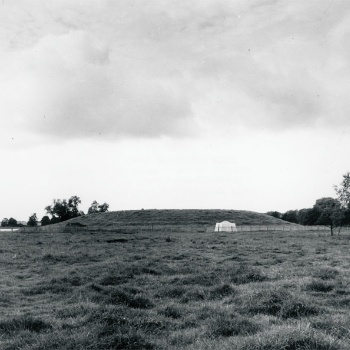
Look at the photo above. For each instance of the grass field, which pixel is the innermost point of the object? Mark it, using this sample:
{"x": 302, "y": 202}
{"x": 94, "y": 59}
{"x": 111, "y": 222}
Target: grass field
{"x": 266, "y": 291}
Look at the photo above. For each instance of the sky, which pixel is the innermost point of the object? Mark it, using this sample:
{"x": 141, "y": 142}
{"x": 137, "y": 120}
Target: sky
{"x": 187, "y": 104}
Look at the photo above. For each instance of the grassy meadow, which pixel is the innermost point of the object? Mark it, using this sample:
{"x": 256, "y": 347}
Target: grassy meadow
{"x": 161, "y": 290}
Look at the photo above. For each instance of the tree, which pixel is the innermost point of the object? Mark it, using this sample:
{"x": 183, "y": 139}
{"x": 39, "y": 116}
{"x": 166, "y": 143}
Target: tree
{"x": 98, "y": 208}
{"x": 330, "y": 213}
{"x": 103, "y": 208}
{"x": 33, "y": 221}
{"x": 93, "y": 208}
{"x": 45, "y": 220}
{"x": 63, "y": 209}
{"x": 4, "y": 222}
{"x": 54, "y": 220}
{"x": 343, "y": 191}
{"x": 12, "y": 222}
{"x": 73, "y": 204}
{"x": 275, "y": 214}
{"x": 290, "y": 216}
{"x": 307, "y": 216}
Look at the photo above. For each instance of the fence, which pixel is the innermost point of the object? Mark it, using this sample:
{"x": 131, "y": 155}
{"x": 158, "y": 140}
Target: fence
{"x": 53, "y": 229}
{"x": 287, "y": 228}
{"x": 9, "y": 229}
{"x": 164, "y": 228}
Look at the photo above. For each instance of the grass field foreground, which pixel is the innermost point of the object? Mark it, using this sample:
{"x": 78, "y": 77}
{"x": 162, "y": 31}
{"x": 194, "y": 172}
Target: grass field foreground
{"x": 256, "y": 291}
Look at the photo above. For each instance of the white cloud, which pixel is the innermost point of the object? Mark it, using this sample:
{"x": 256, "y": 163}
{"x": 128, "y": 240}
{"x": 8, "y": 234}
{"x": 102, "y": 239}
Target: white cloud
{"x": 70, "y": 86}
{"x": 122, "y": 69}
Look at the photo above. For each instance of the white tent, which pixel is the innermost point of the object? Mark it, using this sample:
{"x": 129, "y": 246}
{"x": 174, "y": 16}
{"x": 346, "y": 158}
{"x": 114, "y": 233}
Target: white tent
{"x": 225, "y": 226}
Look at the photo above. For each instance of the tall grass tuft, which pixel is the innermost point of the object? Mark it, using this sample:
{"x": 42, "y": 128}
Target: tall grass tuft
{"x": 117, "y": 296}
{"x": 171, "y": 311}
{"x": 280, "y": 303}
{"x": 242, "y": 274}
{"x": 222, "y": 291}
{"x": 319, "y": 286}
{"x": 326, "y": 273}
{"x": 125, "y": 341}
{"x": 289, "y": 338}
{"x": 23, "y": 323}
{"x": 131, "y": 297}
{"x": 226, "y": 325}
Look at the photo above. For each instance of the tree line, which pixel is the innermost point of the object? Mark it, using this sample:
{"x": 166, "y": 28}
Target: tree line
{"x": 328, "y": 211}
{"x": 60, "y": 210}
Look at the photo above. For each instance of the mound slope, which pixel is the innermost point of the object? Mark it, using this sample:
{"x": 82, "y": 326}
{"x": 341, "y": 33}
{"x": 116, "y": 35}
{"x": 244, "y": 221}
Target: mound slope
{"x": 178, "y": 217}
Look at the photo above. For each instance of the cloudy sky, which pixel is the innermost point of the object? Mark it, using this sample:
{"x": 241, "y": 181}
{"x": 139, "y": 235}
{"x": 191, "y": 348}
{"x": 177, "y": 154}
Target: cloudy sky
{"x": 173, "y": 104}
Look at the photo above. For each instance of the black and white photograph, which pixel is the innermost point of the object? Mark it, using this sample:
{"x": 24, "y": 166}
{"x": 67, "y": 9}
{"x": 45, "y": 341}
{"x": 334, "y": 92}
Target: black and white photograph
{"x": 175, "y": 174}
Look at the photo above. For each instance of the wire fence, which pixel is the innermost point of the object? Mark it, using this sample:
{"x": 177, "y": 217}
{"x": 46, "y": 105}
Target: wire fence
{"x": 54, "y": 229}
{"x": 286, "y": 228}
{"x": 161, "y": 228}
